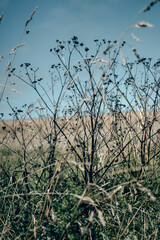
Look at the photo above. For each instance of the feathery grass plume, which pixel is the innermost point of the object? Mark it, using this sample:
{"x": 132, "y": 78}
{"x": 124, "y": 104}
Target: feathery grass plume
{"x": 114, "y": 191}
{"x": 109, "y": 47}
{"x": 135, "y": 237}
{"x": 101, "y": 218}
{"x": 20, "y": 45}
{"x": 78, "y": 165}
{"x": 47, "y": 210}
{"x": 15, "y": 48}
{"x": 141, "y": 112}
{"x": 101, "y": 60}
{"x": 151, "y": 4}
{"x": 53, "y": 216}
{"x": 14, "y": 90}
{"x": 40, "y": 108}
{"x": 143, "y": 24}
{"x": 30, "y": 18}
{"x": 122, "y": 58}
{"x": 135, "y": 38}
{"x": 91, "y": 216}
{"x": 12, "y": 52}
{"x": 34, "y": 230}
{"x": 113, "y": 213}
{"x": 8, "y": 66}
{"x": 87, "y": 58}
{"x": 29, "y": 111}
{"x": 86, "y": 100}
{"x": 146, "y": 190}
{"x": 1, "y": 17}
{"x": 82, "y": 229}
{"x": 85, "y": 199}
{"x": 93, "y": 62}
{"x": 130, "y": 207}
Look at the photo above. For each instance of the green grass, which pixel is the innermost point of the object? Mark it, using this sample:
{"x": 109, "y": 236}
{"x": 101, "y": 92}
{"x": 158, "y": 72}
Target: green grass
{"x": 45, "y": 208}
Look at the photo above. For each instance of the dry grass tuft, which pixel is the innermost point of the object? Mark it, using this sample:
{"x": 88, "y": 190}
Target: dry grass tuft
{"x": 30, "y": 18}
{"x": 146, "y": 190}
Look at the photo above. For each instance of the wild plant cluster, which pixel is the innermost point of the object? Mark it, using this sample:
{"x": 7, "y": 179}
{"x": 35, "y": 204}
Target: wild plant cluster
{"x": 88, "y": 166}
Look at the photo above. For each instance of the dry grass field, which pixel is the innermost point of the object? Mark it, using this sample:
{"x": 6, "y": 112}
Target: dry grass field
{"x": 94, "y": 173}
{"x": 44, "y": 178}
{"x": 37, "y": 132}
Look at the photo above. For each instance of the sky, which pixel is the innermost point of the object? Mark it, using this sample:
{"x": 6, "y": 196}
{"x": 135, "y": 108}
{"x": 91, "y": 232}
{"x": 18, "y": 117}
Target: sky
{"x": 62, "y": 19}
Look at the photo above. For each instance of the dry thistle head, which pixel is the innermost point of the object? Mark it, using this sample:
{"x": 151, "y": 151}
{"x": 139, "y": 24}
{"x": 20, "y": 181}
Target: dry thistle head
{"x": 143, "y": 24}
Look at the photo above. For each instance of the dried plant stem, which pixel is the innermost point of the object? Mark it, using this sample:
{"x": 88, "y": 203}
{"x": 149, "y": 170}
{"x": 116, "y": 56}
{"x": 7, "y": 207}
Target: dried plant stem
{"x": 6, "y": 228}
{"x": 133, "y": 217}
{"x": 68, "y": 225}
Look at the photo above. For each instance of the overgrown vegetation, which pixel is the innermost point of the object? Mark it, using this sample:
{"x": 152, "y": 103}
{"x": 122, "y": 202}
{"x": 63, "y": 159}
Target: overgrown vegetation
{"x": 88, "y": 166}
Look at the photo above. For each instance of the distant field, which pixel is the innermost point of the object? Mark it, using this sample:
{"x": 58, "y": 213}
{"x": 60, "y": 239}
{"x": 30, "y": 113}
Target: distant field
{"x": 37, "y": 132}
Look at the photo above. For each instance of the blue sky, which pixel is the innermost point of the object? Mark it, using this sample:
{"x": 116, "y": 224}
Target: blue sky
{"x": 61, "y": 19}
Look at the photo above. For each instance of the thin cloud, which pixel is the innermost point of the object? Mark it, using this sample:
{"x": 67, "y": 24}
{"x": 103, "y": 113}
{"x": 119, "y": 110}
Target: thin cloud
{"x": 45, "y": 25}
{"x": 4, "y": 3}
{"x": 54, "y": 18}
